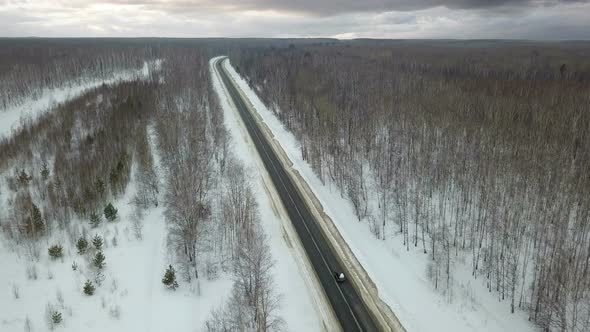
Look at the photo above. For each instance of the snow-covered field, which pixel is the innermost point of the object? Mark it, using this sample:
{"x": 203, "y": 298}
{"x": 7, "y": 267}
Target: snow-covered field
{"x": 297, "y": 307}
{"x": 131, "y": 298}
{"x": 12, "y": 117}
{"x": 400, "y": 276}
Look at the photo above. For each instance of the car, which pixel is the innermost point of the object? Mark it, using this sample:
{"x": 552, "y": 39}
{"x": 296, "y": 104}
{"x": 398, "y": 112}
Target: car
{"x": 339, "y": 276}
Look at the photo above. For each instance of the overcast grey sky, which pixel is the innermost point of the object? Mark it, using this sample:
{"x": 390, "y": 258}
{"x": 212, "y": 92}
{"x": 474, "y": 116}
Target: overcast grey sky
{"x": 510, "y": 19}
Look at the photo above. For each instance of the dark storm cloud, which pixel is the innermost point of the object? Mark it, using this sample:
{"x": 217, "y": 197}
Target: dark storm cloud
{"x": 463, "y": 19}
{"x": 335, "y": 7}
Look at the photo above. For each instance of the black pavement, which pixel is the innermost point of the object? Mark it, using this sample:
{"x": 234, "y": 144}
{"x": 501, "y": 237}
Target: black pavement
{"x": 346, "y": 303}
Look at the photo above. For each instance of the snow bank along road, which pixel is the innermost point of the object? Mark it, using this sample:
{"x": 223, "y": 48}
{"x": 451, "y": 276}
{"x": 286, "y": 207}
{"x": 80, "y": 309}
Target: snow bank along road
{"x": 346, "y": 303}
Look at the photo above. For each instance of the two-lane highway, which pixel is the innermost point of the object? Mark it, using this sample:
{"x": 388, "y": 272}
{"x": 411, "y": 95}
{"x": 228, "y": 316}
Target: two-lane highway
{"x": 346, "y": 303}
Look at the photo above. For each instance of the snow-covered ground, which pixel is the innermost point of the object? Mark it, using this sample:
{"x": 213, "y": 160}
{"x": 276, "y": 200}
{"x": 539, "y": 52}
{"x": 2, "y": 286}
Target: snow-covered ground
{"x": 400, "y": 276}
{"x": 297, "y": 307}
{"x": 131, "y": 298}
{"x": 29, "y": 109}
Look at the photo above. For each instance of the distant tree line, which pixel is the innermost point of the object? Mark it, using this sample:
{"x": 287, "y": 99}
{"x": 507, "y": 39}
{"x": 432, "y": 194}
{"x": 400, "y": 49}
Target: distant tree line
{"x": 27, "y": 68}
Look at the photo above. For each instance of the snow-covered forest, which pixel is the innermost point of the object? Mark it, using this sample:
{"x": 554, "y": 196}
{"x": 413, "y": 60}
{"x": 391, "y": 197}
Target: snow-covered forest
{"x": 124, "y": 206}
{"x": 28, "y": 67}
{"x": 472, "y": 153}
{"x": 131, "y": 198}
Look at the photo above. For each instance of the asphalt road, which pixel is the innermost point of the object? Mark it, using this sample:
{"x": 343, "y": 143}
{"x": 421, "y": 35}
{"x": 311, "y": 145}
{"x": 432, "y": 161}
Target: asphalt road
{"x": 349, "y": 309}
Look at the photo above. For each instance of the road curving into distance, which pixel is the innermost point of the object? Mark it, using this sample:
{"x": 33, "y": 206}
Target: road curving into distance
{"x": 350, "y": 310}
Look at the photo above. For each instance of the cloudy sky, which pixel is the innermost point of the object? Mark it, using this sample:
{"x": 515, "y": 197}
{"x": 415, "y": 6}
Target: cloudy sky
{"x": 512, "y": 19}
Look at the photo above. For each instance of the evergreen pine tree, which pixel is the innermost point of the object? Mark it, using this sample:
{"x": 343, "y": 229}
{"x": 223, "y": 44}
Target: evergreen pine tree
{"x": 34, "y": 225}
{"x": 114, "y": 177}
{"x": 24, "y": 178}
{"x": 55, "y": 251}
{"x": 97, "y": 242}
{"x": 56, "y": 317}
{"x": 82, "y": 245}
{"x": 78, "y": 205}
{"x": 98, "y": 260}
{"x": 99, "y": 278}
{"x": 89, "y": 288}
{"x": 37, "y": 217}
{"x": 44, "y": 171}
{"x": 100, "y": 188}
{"x": 94, "y": 219}
{"x": 110, "y": 212}
{"x": 170, "y": 278}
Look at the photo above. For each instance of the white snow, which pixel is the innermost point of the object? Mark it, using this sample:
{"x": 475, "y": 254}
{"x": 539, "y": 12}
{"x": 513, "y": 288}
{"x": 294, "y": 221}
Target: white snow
{"x": 29, "y": 109}
{"x": 400, "y": 276}
{"x": 296, "y": 306}
{"x": 132, "y": 284}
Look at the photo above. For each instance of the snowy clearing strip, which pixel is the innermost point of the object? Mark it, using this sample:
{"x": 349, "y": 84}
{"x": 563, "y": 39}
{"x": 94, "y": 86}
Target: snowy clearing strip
{"x": 13, "y": 116}
{"x": 399, "y": 276}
